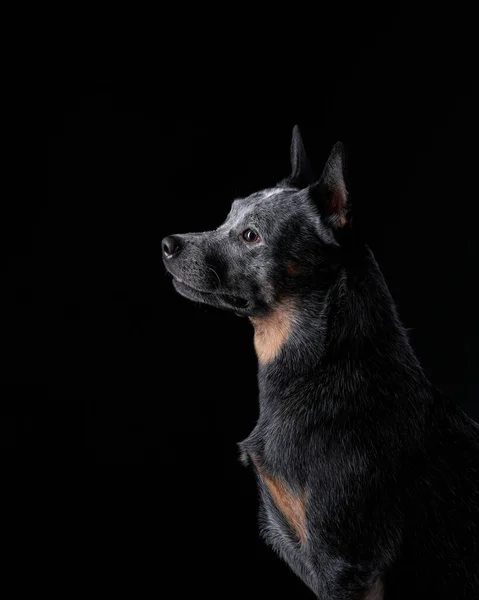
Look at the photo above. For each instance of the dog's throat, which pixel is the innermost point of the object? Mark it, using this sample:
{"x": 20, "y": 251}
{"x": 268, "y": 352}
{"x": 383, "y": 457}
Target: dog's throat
{"x": 272, "y": 330}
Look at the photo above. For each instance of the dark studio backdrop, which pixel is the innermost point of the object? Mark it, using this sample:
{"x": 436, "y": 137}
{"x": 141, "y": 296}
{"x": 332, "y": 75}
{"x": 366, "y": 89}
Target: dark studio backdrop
{"x": 167, "y": 388}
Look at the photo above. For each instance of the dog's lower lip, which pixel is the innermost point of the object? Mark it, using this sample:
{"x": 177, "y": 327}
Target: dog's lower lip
{"x": 234, "y": 300}
{"x": 183, "y": 282}
{"x": 239, "y": 302}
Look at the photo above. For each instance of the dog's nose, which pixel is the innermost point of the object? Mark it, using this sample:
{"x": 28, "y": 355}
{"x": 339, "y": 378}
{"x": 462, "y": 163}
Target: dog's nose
{"x": 171, "y": 245}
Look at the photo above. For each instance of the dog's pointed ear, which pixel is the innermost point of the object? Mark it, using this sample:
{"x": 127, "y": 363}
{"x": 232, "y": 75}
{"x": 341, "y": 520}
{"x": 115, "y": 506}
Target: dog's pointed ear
{"x": 329, "y": 193}
{"x": 301, "y": 172}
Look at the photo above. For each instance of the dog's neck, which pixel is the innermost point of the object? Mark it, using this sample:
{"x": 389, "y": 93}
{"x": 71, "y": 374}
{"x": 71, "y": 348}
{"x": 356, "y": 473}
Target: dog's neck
{"x": 337, "y": 327}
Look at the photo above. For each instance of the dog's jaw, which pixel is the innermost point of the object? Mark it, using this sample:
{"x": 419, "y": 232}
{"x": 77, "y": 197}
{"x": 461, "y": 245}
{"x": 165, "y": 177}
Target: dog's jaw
{"x": 212, "y": 298}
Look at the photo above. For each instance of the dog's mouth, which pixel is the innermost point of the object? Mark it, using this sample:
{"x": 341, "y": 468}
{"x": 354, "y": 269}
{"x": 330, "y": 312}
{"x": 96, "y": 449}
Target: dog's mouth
{"x": 215, "y": 298}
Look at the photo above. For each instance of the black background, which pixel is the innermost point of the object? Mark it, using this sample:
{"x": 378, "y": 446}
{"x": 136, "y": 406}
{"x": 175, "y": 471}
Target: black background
{"x": 144, "y": 395}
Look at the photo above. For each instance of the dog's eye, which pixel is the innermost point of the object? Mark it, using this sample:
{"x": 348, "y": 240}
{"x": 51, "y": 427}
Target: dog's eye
{"x": 249, "y": 235}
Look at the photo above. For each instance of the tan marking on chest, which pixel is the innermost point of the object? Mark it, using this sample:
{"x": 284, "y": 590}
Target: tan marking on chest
{"x": 291, "y": 505}
{"x": 272, "y": 330}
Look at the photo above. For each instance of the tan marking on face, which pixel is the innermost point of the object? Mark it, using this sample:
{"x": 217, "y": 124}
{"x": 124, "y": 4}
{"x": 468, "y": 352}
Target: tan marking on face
{"x": 291, "y": 505}
{"x": 376, "y": 592}
{"x": 292, "y": 267}
{"x": 272, "y": 330}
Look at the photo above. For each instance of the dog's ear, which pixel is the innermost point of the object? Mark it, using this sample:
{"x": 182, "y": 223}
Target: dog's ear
{"x": 301, "y": 172}
{"x": 329, "y": 193}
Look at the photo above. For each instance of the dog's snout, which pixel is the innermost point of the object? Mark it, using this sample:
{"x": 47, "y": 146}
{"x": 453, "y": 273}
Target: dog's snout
{"x": 171, "y": 246}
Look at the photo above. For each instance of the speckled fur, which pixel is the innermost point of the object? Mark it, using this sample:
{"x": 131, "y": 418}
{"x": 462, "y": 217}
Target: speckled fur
{"x": 368, "y": 476}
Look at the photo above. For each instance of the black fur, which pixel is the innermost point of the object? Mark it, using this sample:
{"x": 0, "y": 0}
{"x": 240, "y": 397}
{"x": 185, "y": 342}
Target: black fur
{"x": 389, "y": 466}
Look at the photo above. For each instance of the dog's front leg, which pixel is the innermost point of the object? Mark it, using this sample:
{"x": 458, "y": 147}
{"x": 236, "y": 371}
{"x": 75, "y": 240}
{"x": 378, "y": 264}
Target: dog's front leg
{"x": 350, "y": 560}
{"x": 339, "y": 581}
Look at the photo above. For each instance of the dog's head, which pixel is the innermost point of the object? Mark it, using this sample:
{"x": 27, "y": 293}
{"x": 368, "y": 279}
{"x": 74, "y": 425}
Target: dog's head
{"x": 274, "y": 244}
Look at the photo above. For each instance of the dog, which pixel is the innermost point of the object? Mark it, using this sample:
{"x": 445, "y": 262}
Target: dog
{"x": 368, "y": 475}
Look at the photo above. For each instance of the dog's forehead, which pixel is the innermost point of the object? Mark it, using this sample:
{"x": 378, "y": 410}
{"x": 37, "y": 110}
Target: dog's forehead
{"x": 276, "y": 193}
{"x": 265, "y": 201}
